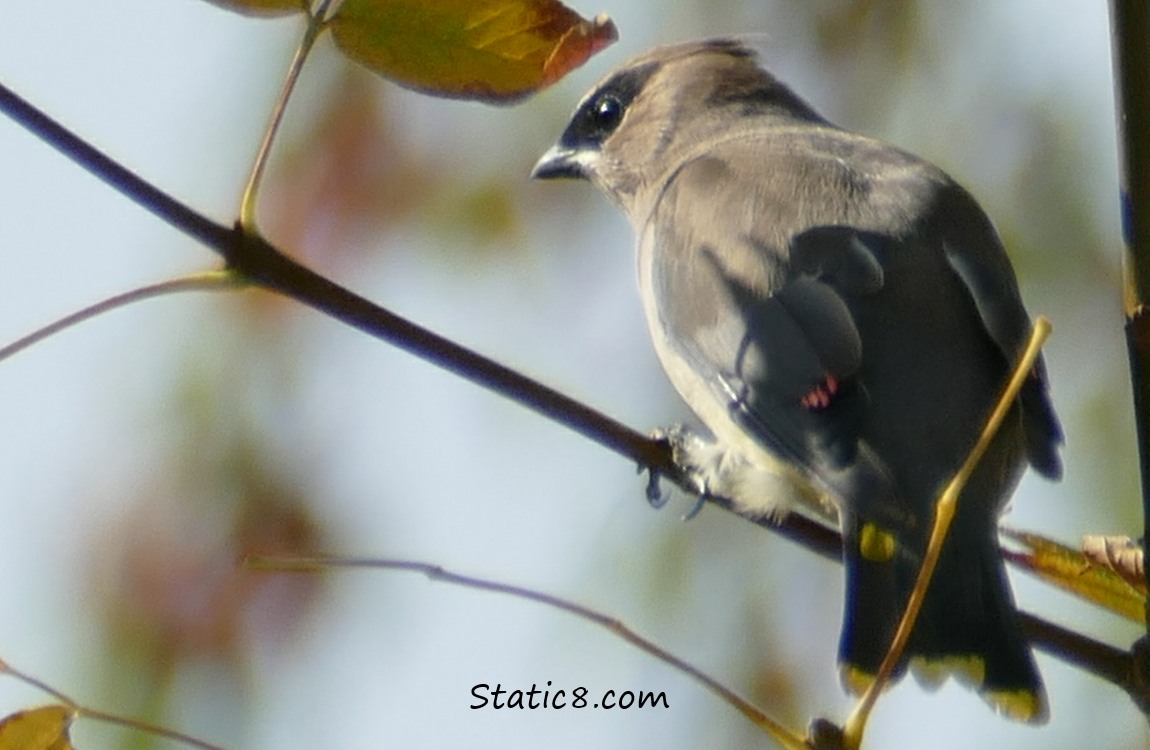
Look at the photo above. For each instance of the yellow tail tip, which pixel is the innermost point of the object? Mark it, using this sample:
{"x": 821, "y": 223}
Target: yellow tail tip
{"x": 855, "y": 680}
{"x": 1026, "y": 706}
{"x": 1021, "y": 704}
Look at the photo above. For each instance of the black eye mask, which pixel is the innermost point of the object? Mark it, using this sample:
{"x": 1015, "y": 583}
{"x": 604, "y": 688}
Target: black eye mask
{"x": 602, "y": 112}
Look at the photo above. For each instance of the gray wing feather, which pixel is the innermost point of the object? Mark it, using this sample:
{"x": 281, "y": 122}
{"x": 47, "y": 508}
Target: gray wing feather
{"x": 975, "y": 252}
{"x": 760, "y": 287}
{"x": 764, "y": 316}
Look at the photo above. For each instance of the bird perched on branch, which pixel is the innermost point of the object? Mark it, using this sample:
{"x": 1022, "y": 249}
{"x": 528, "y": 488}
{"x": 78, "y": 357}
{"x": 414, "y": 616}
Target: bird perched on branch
{"x": 842, "y": 316}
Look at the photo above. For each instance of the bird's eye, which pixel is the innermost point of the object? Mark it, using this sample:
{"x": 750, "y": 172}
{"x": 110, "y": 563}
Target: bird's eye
{"x": 608, "y": 112}
{"x": 596, "y": 119}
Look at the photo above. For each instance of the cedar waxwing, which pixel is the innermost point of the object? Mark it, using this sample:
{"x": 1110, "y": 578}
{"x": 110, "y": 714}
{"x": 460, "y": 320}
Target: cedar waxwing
{"x": 842, "y": 317}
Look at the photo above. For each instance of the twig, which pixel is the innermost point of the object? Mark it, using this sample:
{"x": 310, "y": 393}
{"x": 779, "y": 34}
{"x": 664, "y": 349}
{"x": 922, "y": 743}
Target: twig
{"x": 209, "y": 281}
{"x": 945, "y": 509}
{"x": 316, "y": 23}
{"x": 784, "y": 736}
{"x": 147, "y": 728}
{"x": 107, "y": 718}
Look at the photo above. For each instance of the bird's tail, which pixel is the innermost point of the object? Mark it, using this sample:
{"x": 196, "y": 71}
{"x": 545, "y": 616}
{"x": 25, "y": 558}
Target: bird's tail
{"x": 968, "y": 626}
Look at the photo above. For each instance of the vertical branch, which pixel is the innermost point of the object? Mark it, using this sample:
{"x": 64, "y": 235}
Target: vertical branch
{"x": 1130, "y": 22}
{"x": 1130, "y": 31}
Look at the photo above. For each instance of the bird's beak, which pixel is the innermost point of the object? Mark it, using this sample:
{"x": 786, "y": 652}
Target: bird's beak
{"x": 561, "y": 162}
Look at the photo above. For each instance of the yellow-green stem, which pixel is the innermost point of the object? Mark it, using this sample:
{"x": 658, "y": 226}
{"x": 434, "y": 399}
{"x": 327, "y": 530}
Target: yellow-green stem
{"x": 317, "y": 22}
{"x": 944, "y": 514}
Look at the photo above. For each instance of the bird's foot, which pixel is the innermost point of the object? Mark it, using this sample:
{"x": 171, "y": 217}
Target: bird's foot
{"x": 687, "y": 448}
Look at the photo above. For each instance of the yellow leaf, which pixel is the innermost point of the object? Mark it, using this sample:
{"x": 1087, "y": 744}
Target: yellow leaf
{"x": 43, "y": 728}
{"x": 492, "y": 50}
{"x": 1071, "y": 570}
{"x": 262, "y": 7}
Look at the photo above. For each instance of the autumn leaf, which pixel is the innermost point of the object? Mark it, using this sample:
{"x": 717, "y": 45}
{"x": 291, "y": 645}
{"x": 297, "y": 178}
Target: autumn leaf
{"x": 492, "y": 50}
{"x": 1073, "y": 571}
{"x": 262, "y": 7}
{"x": 43, "y": 728}
{"x": 1118, "y": 553}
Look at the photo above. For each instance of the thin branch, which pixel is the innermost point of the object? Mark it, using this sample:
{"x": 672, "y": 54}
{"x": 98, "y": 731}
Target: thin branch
{"x": 147, "y": 728}
{"x": 209, "y": 281}
{"x": 781, "y": 734}
{"x": 37, "y": 683}
{"x": 91, "y": 713}
{"x": 316, "y": 23}
{"x": 265, "y": 265}
{"x": 944, "y": 511}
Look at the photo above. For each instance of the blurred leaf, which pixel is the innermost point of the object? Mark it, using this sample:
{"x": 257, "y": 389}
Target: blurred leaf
{"x": 174, "y": 592}
{"x": 1071, "y": 570}
{"x": 483, "y": 216}
{"x": 890, "y": 26}
{"x": 43, "y": 728}
{"x": 350, "y": 175}
{"x": 262, "y": 7}
{"x": 492, "y": 50}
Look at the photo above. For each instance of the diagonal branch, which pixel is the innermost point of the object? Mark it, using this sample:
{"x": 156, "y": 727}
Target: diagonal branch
{"x": 117, "y": 176}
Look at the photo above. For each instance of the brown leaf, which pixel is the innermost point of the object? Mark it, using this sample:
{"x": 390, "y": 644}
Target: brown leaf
{"x": 1118, "y": 553}
{"x": 1071, "y": 570}
{"x": 492, "y": 50}
{"x": 262, "y": 7}
{"x": 44, "y": 728}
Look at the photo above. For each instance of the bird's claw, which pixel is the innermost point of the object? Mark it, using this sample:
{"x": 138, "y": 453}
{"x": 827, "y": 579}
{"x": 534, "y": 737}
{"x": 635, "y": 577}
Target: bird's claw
{"x": 656, "y": 497}
{"x": 700, "y": 501}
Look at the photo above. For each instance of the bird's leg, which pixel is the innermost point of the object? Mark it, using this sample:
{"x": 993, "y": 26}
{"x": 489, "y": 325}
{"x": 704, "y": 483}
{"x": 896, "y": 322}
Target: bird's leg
{"x": 944, "y": 514}
{"x": 694, "y": 457}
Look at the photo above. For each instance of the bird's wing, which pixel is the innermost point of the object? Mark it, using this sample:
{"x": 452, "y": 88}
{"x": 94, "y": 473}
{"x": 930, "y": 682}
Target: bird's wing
{"x": 759, "y": 309}
{"x": 974, "y": 250}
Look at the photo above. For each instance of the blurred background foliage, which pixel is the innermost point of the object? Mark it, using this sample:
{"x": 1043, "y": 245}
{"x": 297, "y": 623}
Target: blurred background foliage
{"x": 145, "y": 452}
